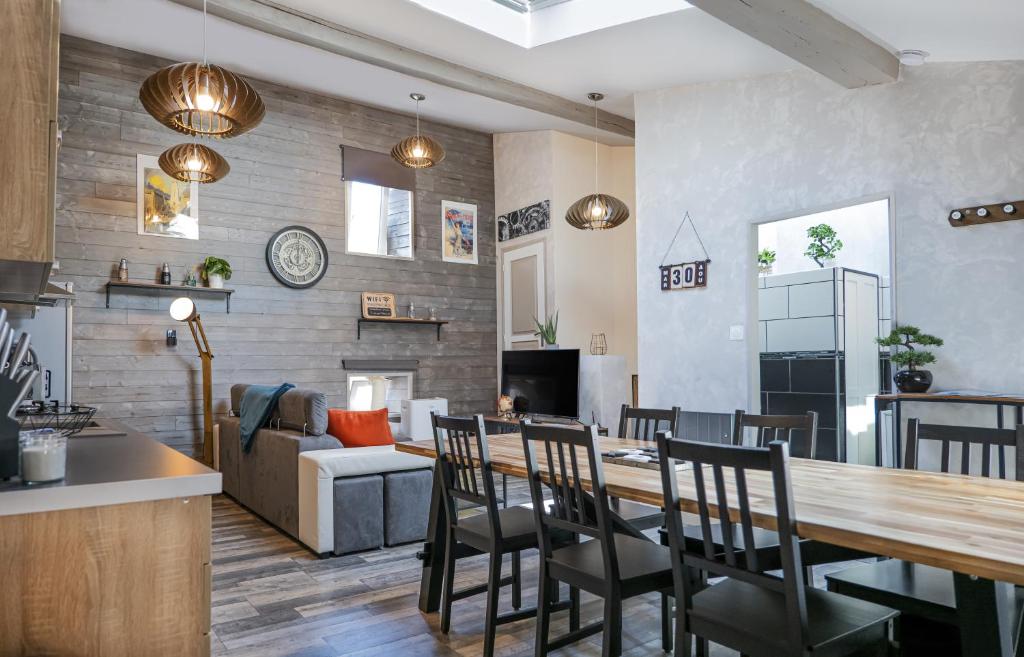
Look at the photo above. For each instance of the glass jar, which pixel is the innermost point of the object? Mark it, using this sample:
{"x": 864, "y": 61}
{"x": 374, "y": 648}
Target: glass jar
{"x": 44, "y": 455}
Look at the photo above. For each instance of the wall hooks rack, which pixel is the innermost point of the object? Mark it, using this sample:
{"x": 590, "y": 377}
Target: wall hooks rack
{"x": 986, "y": 214}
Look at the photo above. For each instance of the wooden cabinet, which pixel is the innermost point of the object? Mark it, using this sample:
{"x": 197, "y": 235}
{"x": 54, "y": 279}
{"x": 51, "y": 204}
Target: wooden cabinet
{"x": 29, "y": 64}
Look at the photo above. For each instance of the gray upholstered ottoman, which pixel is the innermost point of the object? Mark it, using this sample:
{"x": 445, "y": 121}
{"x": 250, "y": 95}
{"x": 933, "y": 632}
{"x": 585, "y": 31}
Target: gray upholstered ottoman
{"x": 406, "y": 505}
{"x": 358, "y": 524}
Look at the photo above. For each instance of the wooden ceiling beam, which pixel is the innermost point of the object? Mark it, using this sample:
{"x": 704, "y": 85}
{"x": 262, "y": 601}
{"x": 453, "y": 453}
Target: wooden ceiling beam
{"x": 281, "y": 21}
{"x": 811, "y": 36}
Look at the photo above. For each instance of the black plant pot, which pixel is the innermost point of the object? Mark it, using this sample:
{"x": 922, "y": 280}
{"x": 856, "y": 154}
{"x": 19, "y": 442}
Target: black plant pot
{"x": 913, "y": 380}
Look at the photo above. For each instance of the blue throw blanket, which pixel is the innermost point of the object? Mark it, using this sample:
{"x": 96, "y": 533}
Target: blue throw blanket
{"x": 258, "y": 402}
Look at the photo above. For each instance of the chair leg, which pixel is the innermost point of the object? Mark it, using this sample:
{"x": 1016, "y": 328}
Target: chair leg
{"x": 574, "y": 609}
{"x": 666, "y": 623}
{"x": 449, "y": 584}
{"x": 543, "y": 611}
{"x": 493, "y": 589}
{"x": 517, "y": 581}
{"x": 612, "y": 638}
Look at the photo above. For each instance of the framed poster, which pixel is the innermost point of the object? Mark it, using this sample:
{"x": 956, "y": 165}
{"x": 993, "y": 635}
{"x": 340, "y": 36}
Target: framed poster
{"x": 379, "y": 305}
{"x": 165, "y": 207}
{"x": 458, "y": 232}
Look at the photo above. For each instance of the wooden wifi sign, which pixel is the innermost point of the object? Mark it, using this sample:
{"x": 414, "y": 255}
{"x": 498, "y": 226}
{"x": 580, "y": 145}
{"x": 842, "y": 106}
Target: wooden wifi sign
{"x": 986, "y": 214}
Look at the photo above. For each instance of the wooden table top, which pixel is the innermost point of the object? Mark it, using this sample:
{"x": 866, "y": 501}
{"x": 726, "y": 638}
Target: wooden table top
{"x": 972, "y": 525}
{"x": 941, "y": 396}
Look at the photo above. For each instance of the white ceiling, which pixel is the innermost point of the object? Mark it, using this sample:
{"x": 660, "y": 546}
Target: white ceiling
{"x": 678, "y": 48}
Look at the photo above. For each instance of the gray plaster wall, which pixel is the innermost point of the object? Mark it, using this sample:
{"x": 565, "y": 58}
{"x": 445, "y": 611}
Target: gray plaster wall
{"x": 737, "y": 153}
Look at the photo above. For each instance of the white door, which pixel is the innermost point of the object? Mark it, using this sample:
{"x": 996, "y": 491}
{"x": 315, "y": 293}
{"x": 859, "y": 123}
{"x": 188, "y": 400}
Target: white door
{"x": 522, "y": 273}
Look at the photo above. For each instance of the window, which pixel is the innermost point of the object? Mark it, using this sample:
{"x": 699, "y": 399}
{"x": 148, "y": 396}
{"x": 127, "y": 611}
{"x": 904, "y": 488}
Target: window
{"x": 379, "y": 220}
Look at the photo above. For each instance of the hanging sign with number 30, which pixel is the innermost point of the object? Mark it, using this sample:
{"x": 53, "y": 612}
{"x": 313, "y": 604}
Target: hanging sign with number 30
{"x": 685, "y": 275}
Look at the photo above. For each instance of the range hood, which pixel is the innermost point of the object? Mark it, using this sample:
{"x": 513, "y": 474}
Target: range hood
{"x": 26, "y": 282}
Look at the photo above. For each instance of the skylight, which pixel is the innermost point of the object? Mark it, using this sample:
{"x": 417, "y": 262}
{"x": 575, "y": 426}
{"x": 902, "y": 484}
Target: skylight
{"x": 530, "y": 23}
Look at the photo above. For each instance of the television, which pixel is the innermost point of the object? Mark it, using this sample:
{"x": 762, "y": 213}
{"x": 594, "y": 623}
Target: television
{"x": 542, "y": 381}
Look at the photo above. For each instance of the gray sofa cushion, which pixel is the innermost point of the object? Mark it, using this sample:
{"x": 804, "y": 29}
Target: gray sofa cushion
{"x": 298, "y": 409}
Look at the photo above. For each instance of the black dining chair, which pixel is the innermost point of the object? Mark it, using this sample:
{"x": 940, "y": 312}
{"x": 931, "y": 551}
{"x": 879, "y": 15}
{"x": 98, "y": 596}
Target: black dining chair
{"x": 643, "y": 424}
{"x": 611, "y": 565}
{"x": 926, "y": 592}
{"x": 756, "y": 613}
{"x": 466, "y": 476}
{"x": 768, "y": 428}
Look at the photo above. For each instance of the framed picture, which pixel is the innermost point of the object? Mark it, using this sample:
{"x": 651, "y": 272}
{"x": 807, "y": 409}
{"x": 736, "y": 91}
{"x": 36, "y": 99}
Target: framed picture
{"x": 458, "y": 232}
{"x": 379, "y": 305}
{"x": 166, "y": 207}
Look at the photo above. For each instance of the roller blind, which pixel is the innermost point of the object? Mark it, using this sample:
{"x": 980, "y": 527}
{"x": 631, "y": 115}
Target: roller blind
{"x": 359, "y": 165}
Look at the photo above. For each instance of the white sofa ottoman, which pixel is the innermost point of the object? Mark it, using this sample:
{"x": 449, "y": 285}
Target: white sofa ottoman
{"x": 341, "y": 487}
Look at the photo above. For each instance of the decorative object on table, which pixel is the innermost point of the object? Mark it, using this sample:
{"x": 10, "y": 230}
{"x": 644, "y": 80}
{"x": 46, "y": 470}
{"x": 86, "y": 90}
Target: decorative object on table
{"x": 165, "y": 207}
{"x": 165, "y": 274}
{"x": 911, "y": 379}
{"x": 765, "y": 260}
{"x": 191, "y": 280}
{"x": 184, "y": 309}
{"x": 122, "y": 270}
{"x": 458, "y": 232}
{"x": 44, "y": 456}
{"x": 68, "y": 419}
{"x": 194, "y": 163}
{"x": 597, "y": 211}
{"x": 986, "y": 214}
{"x": 379, "y": 305}
{"x": 548, "y": 331}
{"x": 418, "y": 151}
{"x": 505, "y": 407}
{"x": 15, "y": 383}
{"x": 297, "y": 257}
{"x": 215, "y": 271}
{"x": 684, "y": 275}
{"x": 824, "y": 246}
{"x": 412, "y": 310}
{"x": 598, "y": 344}
{"x": 524, "y": 221}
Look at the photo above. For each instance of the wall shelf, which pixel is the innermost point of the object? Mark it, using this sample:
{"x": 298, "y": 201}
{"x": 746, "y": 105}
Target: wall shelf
{"x": 186, "y": 289}
{"x": 398, "y": 320}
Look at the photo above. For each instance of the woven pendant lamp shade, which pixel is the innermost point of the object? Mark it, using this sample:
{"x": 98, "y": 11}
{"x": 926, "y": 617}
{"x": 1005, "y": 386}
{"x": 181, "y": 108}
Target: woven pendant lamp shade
{"x": 597, "y": 212}
{"x": 202, "y": 100}
{"x": 418, "y": 152}
{"x": 193, "y": 163}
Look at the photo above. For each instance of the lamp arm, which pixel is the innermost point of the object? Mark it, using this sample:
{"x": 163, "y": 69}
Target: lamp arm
{"x": 202, "y": 346}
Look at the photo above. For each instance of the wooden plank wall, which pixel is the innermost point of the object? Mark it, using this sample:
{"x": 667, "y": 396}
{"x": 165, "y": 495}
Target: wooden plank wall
{"x": 284, "y": 172}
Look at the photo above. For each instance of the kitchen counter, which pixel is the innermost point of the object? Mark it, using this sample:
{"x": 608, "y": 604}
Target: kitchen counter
{"x": 113, "y": 469}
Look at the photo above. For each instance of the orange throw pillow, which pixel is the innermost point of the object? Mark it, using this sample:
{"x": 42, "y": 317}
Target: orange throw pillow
{"x": 360, "y": 428}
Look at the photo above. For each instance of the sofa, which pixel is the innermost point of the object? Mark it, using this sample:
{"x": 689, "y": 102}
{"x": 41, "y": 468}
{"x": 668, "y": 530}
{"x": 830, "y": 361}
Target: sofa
{"x": 302, "y": 480}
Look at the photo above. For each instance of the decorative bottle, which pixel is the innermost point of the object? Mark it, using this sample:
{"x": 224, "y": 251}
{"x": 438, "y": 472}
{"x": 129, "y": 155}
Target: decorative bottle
{"x": 165, "y": 275}
{"x": 122, "y": 270}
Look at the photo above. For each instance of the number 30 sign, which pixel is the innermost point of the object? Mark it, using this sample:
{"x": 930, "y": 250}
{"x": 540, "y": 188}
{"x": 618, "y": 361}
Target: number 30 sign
{"x": 685, "y": 275}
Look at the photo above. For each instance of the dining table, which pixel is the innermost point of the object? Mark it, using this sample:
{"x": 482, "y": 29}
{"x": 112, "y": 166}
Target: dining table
{"x": 970, "y": 525}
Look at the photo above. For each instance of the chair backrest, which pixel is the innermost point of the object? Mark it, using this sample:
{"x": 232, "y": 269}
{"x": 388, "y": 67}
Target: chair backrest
{"x": 769, "y": 428}
{"x": 986, "y": 437}
{"x": 465, "y": 463}
{"x": 713, "y": 498}
{"x": 568, "y": 458}
{"x": 644, "y": 423}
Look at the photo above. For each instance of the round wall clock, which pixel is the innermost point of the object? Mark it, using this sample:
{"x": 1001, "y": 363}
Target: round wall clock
{"x": 297, "y": 257}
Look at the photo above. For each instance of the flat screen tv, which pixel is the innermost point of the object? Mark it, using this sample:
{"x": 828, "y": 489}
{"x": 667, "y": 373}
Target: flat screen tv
{"x": 542, "y": 381}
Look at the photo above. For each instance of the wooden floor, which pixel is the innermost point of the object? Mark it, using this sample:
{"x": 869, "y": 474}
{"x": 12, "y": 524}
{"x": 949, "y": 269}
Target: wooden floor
{"x": 272, "y": 597}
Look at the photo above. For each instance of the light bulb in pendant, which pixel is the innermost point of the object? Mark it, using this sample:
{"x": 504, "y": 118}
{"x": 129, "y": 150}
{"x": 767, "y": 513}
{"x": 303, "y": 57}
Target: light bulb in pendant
{"x": 194, "y": 164}
{"x": 596, "y": 211}
{"x": 417, "y": 151}
{"x": 204, "y": 102}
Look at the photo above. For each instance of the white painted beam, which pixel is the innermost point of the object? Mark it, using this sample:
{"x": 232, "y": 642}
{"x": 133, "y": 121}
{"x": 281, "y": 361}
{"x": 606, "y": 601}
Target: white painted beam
{"x": 811, "y": 36}
{"x": 287, "y": 23}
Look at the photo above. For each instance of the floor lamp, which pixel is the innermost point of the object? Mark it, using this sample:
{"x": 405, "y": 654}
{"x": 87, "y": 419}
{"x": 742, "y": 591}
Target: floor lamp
{"x": 184, "y": 309}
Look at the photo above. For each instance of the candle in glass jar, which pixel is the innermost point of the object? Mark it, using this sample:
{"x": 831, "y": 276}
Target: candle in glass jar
{"x": 43, "y": 457}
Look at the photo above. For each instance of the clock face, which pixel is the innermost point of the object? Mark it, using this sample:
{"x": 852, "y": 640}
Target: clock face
{"x": 297, "y": 257}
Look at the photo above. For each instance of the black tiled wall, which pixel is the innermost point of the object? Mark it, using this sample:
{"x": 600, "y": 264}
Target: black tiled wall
{"x": 794, "y": 383}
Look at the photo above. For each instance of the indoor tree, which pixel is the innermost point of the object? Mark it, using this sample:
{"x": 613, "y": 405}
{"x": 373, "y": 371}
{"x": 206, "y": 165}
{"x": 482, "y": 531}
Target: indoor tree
{"x": 825, "y": 244}
{"x": 906, "y": 337}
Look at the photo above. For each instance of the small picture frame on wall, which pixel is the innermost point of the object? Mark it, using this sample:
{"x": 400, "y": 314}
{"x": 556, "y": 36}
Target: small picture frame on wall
{"x": 379, "y": 305}
{"x": 165, "y": 207}
{"x": 459, "y": 232}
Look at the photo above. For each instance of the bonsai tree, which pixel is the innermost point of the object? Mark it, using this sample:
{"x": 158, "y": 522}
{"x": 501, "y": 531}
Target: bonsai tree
{"x": 906, "y": 337}
{"x": 548, "y": 330}
{"x": 216, "y": 266}
{"x": 825, "y": 244}
{"x": 765, "y": 259}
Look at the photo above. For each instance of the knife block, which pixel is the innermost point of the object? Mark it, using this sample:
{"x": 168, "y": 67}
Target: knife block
{"x": 9, "y": 430}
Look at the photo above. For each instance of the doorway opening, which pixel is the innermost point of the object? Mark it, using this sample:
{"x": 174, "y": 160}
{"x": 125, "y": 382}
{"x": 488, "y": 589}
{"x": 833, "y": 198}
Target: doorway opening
{"x": 824, "y": 296}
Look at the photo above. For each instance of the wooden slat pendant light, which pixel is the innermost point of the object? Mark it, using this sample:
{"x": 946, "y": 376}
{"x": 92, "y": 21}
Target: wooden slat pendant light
{"x": 418, "y": 151}
{"x": 596, "y": 211}
{"x": 193, "y": 163}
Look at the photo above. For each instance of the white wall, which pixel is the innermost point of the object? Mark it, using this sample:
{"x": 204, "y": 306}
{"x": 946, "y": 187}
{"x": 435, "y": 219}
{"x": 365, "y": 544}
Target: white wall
{"x": 591, "y": 274}
{"x": 736, "y": 153}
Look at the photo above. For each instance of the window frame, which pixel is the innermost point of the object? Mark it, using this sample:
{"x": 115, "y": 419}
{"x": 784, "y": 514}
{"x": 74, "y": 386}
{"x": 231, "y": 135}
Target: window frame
{"x": 412, "y": 223}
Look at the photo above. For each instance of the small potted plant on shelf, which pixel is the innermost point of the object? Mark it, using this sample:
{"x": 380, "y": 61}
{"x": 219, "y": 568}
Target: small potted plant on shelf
{"x": 765, "y": 260}
{"x": 911, "y": 379}
{"x": 215, "y": 271}
{"x": 824, "y": 246}
{"x": 548, "y": 331}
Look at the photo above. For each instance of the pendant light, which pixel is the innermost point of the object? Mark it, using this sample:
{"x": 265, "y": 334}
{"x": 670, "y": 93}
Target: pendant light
{"x": 202, "y": 99}
{"x": 193, "y": 163}
{"x": 596, "y": 211}
{"x": 420, "y": 151}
